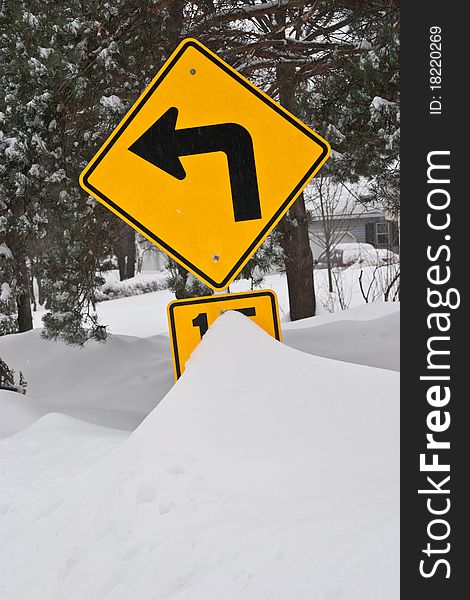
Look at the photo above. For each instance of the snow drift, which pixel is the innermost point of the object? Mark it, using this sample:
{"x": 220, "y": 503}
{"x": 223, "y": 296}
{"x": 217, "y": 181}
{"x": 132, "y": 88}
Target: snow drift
{"x": 265, "y": 473}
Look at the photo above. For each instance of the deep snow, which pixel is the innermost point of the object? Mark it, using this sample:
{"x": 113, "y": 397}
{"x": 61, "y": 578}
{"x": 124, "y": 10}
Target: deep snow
{"x": 351, "y": 340}
{"x": 118, "y": 383}
{"x": 114, "y": 384}
{"x": 264, "y": 473}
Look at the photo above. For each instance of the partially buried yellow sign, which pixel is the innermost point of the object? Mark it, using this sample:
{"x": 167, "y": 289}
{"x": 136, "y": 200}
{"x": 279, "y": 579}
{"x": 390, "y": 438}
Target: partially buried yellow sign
{"x": 204, "y": 164}
{"x": 189, "y": 319}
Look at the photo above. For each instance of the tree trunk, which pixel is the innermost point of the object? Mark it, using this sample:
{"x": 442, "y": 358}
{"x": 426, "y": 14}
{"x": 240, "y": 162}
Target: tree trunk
{"x": 31, "y": 292}
{"x": 330, "y": 273}
{"x": 23, "y": 300}
{"x": 298, "y": 261}
{"x": 294, "y": 227}
{"x": 174, "y": 24}
{"x": 180, "y": 288}
{"x": 131, "y": 254}
{"x": 121, "y": 260}
{"x": 40, "y": 291}
{"x": 124, "y": 248}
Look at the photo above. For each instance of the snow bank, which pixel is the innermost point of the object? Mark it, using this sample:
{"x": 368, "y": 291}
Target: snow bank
{"x": 142, "y": 283}
{"x": 264, "y": 473}
{"x": 116, "y": 383}
{"x": 363, "y": 312}
{"x": 17, "y": 412}
{"x": 374, "y": 342}
{"x": 95, "y": 382}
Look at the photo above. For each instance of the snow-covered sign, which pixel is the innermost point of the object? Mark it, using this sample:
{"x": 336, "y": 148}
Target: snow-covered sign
{"x": 204, "y": 164}
{"x": 190, "y": 318}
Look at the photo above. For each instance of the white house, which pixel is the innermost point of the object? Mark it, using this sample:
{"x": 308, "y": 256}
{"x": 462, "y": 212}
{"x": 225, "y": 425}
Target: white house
{"x": 150, "y": 258}
{"x": 335, "y": 213}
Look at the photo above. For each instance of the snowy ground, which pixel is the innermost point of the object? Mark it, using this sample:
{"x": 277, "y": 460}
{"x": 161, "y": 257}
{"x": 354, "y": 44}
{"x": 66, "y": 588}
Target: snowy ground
{"x": 265, "y": 473}
{"x": 146, "y": 315}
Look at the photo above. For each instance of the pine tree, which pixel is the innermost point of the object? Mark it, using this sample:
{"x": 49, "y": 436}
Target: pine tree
{"x": 8, "y": 321}
{"x": 37, "y": 45}
{"x": 182, "y": 283}
{"x": 8, "y": 381}
{"x": 267, "y": 259}
{"x": 357, "y": 106}
{"x": 7, "y": 376}
{"x": 61, "y": 65}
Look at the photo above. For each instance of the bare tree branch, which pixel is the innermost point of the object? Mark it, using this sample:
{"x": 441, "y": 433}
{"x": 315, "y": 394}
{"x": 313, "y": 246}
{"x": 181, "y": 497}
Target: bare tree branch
{"x": 247, "y": 11}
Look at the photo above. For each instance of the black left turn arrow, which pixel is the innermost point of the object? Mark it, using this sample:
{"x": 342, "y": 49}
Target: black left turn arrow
{"x": 163, "y": 145}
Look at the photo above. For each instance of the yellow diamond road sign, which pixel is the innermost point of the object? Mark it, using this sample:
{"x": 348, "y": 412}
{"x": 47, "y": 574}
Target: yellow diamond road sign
{"x": 204, "y": 164}
{"x": 189, "y": 319}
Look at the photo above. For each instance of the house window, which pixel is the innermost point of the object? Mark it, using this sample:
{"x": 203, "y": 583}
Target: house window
{"x": 382, "y": 235}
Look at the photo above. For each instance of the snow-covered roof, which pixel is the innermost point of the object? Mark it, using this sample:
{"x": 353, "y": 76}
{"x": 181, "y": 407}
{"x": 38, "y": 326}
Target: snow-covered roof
{"x": 341, "y": 200}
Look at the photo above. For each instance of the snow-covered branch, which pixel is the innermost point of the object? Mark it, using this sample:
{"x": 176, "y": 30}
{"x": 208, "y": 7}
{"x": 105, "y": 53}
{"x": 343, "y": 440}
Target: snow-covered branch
{"x": 247, "y": 11}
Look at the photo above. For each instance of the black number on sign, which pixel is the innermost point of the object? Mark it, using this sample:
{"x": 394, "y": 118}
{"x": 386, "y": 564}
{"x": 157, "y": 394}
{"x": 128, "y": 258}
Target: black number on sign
{"x": 248, "y": 312}
{"x": 201, "y": 320}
